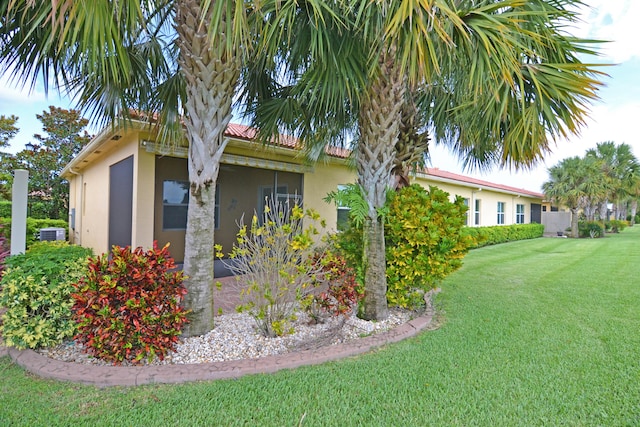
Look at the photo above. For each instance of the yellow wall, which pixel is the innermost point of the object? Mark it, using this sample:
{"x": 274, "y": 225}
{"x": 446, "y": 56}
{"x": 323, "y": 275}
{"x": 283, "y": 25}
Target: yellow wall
{"x": 89, "y": 189}
{"x": 325, "y": 178}
{"x": 89, "y": 195}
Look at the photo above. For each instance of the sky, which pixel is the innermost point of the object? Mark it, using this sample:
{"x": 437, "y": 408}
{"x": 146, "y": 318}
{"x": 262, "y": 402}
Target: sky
{"x": 612, "y": 118}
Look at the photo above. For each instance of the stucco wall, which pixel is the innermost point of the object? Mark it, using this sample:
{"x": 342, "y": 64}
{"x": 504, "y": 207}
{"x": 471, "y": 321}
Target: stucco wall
{"x": 89, "y": 195}
{"x": 323, "y": 179}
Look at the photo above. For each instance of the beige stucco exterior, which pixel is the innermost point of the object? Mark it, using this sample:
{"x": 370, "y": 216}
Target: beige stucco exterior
{"x": 248, "y": 172}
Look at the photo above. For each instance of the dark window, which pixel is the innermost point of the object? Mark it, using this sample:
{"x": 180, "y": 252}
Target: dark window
{"x": 175, "y": 203}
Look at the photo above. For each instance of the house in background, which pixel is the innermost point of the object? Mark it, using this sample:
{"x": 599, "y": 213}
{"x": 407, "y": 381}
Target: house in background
{"x": 126, "y": 189}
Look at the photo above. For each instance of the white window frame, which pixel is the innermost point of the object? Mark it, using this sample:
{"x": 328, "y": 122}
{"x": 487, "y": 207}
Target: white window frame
{"x": 519, "y": 213}
{"x": 500, "y": 210}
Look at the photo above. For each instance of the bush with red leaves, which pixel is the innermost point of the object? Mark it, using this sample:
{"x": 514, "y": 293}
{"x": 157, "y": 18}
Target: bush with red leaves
{"x": 128, "y": 307}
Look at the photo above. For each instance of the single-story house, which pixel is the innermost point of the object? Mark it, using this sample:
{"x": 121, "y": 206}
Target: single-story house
{"x": 127, "y": 189}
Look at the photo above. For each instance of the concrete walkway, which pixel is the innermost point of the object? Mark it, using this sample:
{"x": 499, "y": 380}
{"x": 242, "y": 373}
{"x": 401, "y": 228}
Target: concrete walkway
{"x": 105, "y": 376}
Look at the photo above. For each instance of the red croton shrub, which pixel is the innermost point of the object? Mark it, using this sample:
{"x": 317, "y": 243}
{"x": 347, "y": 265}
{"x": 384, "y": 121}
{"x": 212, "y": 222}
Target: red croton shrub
{"x": 128, "y": 307}
{"x": 341, "y": 292}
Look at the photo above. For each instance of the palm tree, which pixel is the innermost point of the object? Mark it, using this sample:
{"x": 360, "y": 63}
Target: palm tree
{"x": 572, "y": 183}
{"x": 497, "y": 81}
{"x": 178, "y": 60}
{"x": 621, "y": 168}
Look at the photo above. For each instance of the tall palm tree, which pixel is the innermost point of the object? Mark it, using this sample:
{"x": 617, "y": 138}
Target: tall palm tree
{"x": 178, "y": 60}
{"x": 572, "y": 183}
{"x": 498, "y": 82}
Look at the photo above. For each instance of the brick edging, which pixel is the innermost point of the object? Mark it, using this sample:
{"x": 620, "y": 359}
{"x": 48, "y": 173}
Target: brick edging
{"x": 105, "y": 376}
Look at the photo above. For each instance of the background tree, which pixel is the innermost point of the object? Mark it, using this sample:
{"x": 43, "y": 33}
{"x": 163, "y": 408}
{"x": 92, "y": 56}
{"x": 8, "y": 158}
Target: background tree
{"x": 64, "y": 137}
{"x": 498, "y": 82}
{"x": 620, "y": 167}
{"x": 573, "y": 183}
{"x": 8, "y": 130}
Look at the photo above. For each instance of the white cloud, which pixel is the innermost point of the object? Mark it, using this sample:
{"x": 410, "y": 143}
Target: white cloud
{"x": 10, "y": 92}
{"x": 614, "y": 21}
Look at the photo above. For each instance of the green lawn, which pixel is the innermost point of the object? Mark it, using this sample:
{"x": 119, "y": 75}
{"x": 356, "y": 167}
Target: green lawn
{"x": 539, "y": 332}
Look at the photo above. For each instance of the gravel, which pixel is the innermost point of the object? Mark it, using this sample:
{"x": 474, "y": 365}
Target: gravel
{"x": 235, "y": 337}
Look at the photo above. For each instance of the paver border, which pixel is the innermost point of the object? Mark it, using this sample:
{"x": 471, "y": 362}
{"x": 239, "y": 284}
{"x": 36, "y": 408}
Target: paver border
{"x": 106, "y": 376}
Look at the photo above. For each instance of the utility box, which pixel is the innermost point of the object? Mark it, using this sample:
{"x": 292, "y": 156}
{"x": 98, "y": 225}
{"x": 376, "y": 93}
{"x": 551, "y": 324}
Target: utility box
{"x": 53, "y": 233}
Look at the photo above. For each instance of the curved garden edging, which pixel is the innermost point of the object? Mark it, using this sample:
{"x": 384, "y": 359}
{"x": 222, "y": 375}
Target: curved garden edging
{"x": 105, "y": 376}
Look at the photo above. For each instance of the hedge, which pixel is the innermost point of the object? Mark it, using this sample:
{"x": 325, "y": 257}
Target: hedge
{"x": 33, "y": 228}
{"x": 485, "y": 236}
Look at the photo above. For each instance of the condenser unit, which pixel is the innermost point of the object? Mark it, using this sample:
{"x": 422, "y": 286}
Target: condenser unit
{"x": 47, "y": 234}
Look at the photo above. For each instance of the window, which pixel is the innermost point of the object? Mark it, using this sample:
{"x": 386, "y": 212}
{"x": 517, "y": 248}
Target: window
{"x": 519, "y": 214}
{"x": 476, "y": 213}
{"x": 466, "y": 214}
{"x": 500, "y": 213}
{"x": 175, "y": 203}
{"x": 343, "y": 213}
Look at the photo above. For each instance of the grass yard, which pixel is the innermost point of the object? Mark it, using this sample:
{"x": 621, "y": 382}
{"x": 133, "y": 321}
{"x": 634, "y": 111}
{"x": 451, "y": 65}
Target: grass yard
{"x": 543, "y": 332}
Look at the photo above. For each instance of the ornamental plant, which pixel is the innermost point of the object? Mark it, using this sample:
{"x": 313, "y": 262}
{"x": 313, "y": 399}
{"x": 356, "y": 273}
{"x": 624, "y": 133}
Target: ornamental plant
{"x": 338, "y": 292}
{"x": 423, "y": 241}
{"x": 128, "y": 305}
{"x": 273, "y": 257}
{"x": 36, "y": 292}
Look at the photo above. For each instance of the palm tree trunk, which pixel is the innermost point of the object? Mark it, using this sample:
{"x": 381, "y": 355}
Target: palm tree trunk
{"x": 379, "y": 126}
{"x": 634, "y": 210}
{"x": 211, "y": 74}
{"x": 574, "y": 223}
{"x": 412, "y": 145}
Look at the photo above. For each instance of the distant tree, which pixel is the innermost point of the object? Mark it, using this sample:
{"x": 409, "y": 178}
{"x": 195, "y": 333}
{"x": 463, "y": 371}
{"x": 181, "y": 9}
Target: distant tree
{"x": 621, "y": 168}
{"x": 63, "y": 139}
{"x": 8, "y": 130}
{"x": 574, "y": 182}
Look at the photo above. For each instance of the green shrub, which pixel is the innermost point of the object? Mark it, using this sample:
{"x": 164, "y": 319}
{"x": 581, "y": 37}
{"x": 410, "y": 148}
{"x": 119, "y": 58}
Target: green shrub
{"x": 591, "y": 229}
{"x": 423, "y": 242}
{"x": 5, "y": 209}
{"x": 275, "y": 260}
{"x": 615, "y": 225}
{"x": 493, "y": 235}
{"x": 36, "y": 291}
{"x": 128, "y": 307}
{"x": 33, "y": 228}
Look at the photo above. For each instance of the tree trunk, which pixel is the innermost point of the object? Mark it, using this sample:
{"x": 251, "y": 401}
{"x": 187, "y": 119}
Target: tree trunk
{"x": 574, "y": 223}
{"x": 412, "y": 145}
{"x": 211, "y": 73}
{"x": 634, "y": 210}
{"x": 379, "y": 126}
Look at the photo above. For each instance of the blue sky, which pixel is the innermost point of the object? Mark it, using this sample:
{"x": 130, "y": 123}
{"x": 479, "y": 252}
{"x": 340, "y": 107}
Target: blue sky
{"x": 611, "y": 119}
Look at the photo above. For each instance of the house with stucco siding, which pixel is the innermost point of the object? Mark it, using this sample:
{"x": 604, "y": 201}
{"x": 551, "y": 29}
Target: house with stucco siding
{"x": 127, "y": 189}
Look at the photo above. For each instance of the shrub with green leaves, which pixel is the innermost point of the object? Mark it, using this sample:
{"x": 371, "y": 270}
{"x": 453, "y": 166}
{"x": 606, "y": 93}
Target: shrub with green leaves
{"x": 33, "y": 228}
{"x": 590, "y": 229}
{"x": 36, "y": 291}
{"x": 423, "y": 241}
{"x": 496, "y": 234}
{"x": 616, "y": 225}
{"x": 274, "y": 257}
{"x": 128, "y": 306}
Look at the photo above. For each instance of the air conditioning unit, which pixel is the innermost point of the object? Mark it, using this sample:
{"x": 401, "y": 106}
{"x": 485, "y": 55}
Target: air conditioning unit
{"x": 48, "y": 234}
